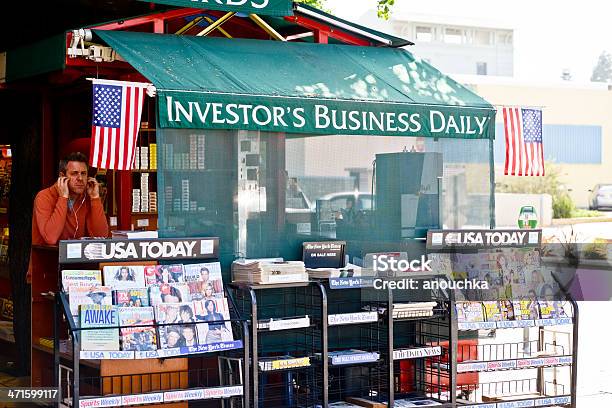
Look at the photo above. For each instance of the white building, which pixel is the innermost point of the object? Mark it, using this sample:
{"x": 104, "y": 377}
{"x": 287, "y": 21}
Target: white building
{"x": 454, "y": 45}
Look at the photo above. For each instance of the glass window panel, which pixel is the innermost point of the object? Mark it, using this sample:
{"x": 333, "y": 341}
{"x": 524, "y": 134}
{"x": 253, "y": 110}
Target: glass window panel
{"x": 453, "y": 36}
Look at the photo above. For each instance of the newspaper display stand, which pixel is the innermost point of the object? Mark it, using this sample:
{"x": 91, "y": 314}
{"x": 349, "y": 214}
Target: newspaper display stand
{"x": 420, "y": 342}
{"x": 175, "y": 377}
{"x": 358, "y": 340}
{"x": 287, "y": 323}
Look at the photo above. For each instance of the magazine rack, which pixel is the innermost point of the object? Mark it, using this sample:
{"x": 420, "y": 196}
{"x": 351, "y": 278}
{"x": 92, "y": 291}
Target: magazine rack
{"x": 287, "y": 323}
{"x": 164, "y": 377}
{"x": 531, "y": 362}
{"x": 551, "y": 357}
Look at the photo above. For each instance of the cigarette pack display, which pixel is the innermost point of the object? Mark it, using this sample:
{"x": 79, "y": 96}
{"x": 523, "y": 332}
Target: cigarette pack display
{"x": 137, "y": 338}
{"x": 78, "y": 277}
{"x": 93, "y": 295}
{"x": 124, "y": 276}
{"x": 169, "y": 154}
{"x": 201, "y": 152}
{"x": 153, "y": 156}
{"x": 99, "y": 316}
{"x": 144, "y": 157}
{"x": 131, "y": 297}
{"x": 136, "y": 164}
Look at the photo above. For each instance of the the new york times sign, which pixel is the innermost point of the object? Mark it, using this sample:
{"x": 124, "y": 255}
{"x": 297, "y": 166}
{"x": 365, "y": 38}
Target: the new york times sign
{"x": 277, "y": 8}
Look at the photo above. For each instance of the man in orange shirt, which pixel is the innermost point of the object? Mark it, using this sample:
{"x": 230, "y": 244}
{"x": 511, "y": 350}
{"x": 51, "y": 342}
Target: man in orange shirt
{"x": 71, "y": 208}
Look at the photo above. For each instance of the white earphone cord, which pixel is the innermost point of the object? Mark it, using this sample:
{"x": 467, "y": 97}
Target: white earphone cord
{"x": 76, "y": 218}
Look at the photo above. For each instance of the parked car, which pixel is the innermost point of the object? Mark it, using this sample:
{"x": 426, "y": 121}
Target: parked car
{"x": 337, "y": 201}
{"x": 601, "y": 197}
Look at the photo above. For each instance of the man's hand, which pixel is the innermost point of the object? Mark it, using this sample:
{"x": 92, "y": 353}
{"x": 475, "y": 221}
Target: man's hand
{"x": 93, "y": 188}
{"x": 62, "y": 186}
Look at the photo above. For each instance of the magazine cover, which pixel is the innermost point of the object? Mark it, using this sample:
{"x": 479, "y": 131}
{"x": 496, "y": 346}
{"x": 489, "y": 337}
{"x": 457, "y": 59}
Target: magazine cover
{"x": 441, "y": 263}
{"x": 469, "y": 312}
{"x": 99, "y": 316}
{"x": 507, "y": 309}
{"x": 131, "y": 297}
{"x": 200, "y": 290}
{"x": 150, "y": 275}
{"x": 172, "y": 336}
{"x": 124, "y": 277}
{"x": 210, "y": 311}
{"x": 87, "y": 278}
{"x": 160, "y": 274}
{"x": 184, "y": 335}
{"x": 207, "y": 273}
{"x": 137, "y": 338}
{"x": 525, "y": 309}
{"x": 169, "y": 293}
{"x": 93, "y": 295}
{"x": 493, "y": 312}
{"x": 551, "y": 309}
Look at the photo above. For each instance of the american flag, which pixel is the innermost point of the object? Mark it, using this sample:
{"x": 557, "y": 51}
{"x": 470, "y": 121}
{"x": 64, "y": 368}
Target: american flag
{"x": 524, "y": 147}
{"x": 117, "y": 107}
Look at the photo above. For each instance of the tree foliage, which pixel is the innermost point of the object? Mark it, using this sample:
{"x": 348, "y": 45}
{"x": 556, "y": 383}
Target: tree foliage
{"x": 384, "y": 7}
{"x": 602, "y": 72}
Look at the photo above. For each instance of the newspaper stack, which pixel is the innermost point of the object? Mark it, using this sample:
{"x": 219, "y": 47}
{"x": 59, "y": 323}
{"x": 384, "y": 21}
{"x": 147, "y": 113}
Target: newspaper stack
{"x": 406, "y": 310}
{"x": 268, "y": 272}
{"x": 348, "y": 271}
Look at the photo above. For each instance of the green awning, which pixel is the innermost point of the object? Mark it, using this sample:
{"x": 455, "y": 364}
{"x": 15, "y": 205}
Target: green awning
{"x": 263, "y": 7}
{"x": 218, "y": 83}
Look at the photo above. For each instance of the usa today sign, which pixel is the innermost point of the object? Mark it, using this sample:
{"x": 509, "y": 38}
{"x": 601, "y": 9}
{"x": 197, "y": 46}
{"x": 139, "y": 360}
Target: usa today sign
{"x": 192, "y": 110}
{"x": 277, "y": 8}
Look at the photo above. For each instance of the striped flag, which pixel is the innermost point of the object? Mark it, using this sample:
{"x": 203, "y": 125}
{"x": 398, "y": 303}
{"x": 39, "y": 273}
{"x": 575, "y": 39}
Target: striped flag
{"x": 117, "y": 107}
{"x": 524, "y": 147}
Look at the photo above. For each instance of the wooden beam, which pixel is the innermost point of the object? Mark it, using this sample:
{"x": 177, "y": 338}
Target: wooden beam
{"x": 216, "y": 24}
{"x": 188, "y": 26}
{"x": 266, "y": 27}
{"x": 220, "y": 29}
